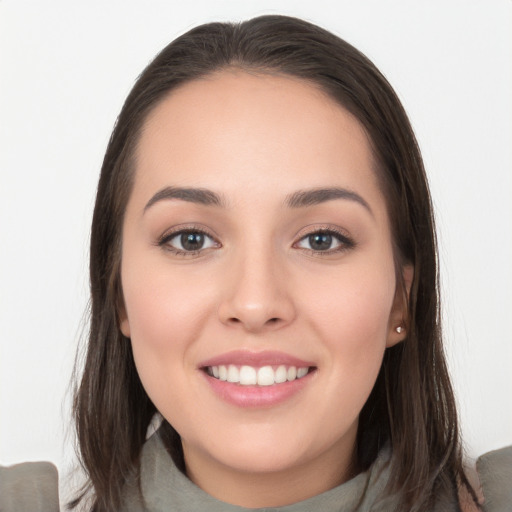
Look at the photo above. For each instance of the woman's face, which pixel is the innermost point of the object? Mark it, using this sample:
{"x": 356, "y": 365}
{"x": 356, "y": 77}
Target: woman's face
{"x": 257, "y": 249}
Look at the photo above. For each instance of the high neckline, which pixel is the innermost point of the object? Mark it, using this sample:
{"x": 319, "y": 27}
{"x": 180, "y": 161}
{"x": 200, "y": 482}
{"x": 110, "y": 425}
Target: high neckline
{"x": 165, "y": 488}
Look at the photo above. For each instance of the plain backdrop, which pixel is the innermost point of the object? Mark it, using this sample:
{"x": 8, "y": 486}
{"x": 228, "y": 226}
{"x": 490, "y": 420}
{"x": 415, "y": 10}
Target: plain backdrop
{"x": 65, "y": 69}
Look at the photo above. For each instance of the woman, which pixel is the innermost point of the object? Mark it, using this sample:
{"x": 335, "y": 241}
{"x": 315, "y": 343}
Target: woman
{"x": 220, "y": 106}
{"x": 264, "y": 276}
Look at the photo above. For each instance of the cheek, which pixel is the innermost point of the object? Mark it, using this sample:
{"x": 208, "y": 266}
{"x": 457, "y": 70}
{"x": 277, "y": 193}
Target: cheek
{"x": 354, "y": 313}
{"x": 161, "y": 304}
{"x": 352, "y": 321}
{"x": 166, "y": 314}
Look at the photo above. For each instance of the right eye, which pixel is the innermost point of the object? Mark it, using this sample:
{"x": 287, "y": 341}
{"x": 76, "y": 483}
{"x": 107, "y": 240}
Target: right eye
{"x": 188, "y": 242}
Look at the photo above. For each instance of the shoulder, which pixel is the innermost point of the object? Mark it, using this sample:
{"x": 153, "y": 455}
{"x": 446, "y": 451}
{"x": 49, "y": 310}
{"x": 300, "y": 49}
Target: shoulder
{"x": 492, "y": 482}
{"x": 495, "y": 475}
{"x": 29, "y": 487}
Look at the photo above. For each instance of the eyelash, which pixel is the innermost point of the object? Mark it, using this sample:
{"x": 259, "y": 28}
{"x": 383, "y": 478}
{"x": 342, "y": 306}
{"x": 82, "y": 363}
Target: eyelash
{"x": 346, "y": 243}
{"x": 167, "y": 237}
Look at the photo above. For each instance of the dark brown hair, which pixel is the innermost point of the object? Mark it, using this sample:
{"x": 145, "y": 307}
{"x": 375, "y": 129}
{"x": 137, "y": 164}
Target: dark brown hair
{"x": 412, "y": 405}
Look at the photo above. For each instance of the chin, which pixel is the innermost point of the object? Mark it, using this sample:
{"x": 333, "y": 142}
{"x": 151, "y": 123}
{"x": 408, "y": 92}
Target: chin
{"x": 255, "y": 462}
{"x": 259, "y": 452}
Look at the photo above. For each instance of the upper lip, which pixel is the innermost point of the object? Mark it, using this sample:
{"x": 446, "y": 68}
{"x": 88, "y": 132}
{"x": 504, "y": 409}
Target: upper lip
{"x": 256, "y": 359}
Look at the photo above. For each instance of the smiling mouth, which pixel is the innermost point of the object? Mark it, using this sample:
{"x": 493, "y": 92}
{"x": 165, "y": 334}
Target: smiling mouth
{"x": 257, "y": 376}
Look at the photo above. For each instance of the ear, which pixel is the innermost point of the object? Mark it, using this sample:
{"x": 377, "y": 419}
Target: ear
{"x": 398, "y": 324}
{"x": 124, "y": 323}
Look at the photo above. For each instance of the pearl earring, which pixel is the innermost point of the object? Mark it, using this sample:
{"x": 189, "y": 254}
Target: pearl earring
{"x": 399, "y": 329}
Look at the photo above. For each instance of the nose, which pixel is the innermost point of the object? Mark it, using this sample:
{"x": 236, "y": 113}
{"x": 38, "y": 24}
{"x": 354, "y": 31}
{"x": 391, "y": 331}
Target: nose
{"x": 257, "y": 294}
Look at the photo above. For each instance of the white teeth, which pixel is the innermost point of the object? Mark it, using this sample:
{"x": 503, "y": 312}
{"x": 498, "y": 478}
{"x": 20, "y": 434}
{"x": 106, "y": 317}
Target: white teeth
{"x": 281, "y": 375}
{"x": 292, "y": 373}
{"x": 233, "y": 374}
{"x": 250, "y": 376}
{"x": 265, "y": 376}
{"x": 301, "y": 372}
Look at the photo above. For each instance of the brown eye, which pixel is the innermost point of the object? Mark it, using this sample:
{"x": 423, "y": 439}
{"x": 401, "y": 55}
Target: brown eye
{"x": 188, "y": 241}
{"x": 320, "y": 241}
{"x": 192, "y": 241}
{"x": 325, "y": 241}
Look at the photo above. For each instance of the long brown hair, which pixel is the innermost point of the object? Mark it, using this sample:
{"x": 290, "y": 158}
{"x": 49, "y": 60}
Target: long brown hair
{"x": 412, "y": 405}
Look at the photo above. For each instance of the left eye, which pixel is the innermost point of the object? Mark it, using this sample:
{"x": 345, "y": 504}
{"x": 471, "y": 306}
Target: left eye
{"x": 323, "y": 241}
{"x": 189, "y": 241}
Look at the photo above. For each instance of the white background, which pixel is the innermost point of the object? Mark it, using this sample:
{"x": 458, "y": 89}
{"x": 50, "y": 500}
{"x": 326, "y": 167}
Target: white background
{"x": 65, "y": 69}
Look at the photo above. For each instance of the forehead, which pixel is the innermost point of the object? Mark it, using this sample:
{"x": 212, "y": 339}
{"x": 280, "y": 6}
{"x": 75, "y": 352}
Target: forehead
{"x": 253, "y": 132}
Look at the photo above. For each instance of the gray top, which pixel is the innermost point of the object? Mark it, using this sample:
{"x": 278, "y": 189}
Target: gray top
{"x": 29, "y": 487}
{"x": 166, "y": 489}
{"x": 32, "y": 487}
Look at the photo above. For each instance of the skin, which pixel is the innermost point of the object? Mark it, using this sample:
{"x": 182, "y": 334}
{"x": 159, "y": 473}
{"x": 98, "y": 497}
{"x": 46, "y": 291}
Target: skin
{"x": 257, "y": 285}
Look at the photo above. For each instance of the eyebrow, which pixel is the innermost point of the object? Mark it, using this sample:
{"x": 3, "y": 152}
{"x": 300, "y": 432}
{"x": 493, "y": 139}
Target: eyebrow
{"x": 192, "y": 195}
{"x": 299, "y": 199}
{"x": 304, "y": 198}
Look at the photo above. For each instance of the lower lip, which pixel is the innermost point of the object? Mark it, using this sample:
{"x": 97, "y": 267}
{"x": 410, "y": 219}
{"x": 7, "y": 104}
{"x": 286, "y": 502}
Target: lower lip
{"x": 257, "y": 396}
